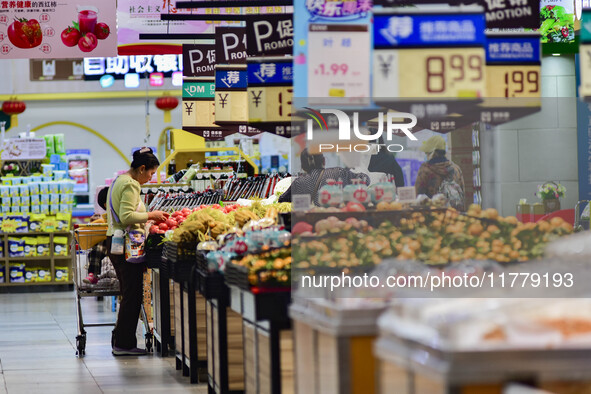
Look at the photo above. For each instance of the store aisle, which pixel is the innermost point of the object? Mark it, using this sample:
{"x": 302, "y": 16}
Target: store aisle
{"x": 37, "y": 351}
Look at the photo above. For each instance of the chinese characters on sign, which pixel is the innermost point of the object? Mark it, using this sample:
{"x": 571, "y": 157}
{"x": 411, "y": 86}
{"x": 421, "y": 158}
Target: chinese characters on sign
{"x": 199, "y": 60}
{"x": 505, "y": 14}
{"x": 343, "y": 9}
{"x": 270, "y": 35}
{"x": 230, "y": 45}
{"x": 95, "y": 67}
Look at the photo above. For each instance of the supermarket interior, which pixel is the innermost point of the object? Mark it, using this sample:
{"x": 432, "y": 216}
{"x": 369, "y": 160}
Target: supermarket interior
{"x": 295, "y": 196}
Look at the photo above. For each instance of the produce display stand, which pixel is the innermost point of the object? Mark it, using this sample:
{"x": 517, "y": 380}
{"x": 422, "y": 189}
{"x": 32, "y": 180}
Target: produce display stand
{"x": 334, "y": 352}
{"x": 190, "y": 338}
{"x": 163, "y": 309}
{"x": 267, "y": 338}
{"x": 409, "y": 367}
{"x": 225, "y": 347}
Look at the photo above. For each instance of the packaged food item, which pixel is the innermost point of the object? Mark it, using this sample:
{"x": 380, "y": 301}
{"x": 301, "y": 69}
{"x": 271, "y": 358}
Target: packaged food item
{"x": 7, "y": 180}
{"x": 26, "y": 201}
{"x": 25, "y": 209}
{"x": 17, "y": 180}
{"x": 22, "y": 222}
{"x": 330, "y": 194}
{"x": 35, "y": 208}
{"x": 60, "y": 246}
{"x": 44, "y": 209}
{"x": 43, "y": 275}
{"x": 1, "y": 273}
{"x": 26, "y": 180}
{"x": 30, "y": 275}
{"x": 61, "y": 274}
{"x": 4, "y": 191}
{"x": 66, "y": 198}
{"x": 49, "y": 145}
{"x": 30, "y": 246}
{"x": 58, "y": 144}
{"x": 7, "y": 201}
{"x": 13, "y": 190}
{"x": 1, "y": 251}
{"x": 15, "y": 209}
{"x": 65, "y": 208}
{"x": 43, "y": 246}
{"x": 23, "y": 190}
{"x": 35, "y": 200}
{"x": 35, "y": 221}
{"x": 16, "y": 247}
{"x": 45, "y": 199}
{"x": 17, "y": 273}
{"x": 49, "y": 224}
{"x": 15, "y": 201}
{"x": 43, "y": 187}
{"x": 54, "y": 209}
{"x": 33, "y": 188}
{"x": 63, "y": 220}
{"x": 54, "y": 188}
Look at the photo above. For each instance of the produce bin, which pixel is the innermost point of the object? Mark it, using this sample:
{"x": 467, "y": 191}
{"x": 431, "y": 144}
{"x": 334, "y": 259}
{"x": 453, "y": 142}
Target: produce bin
{"x": 268, "y": 340}
{"x": 163, "y": 309}
{"x": 334, "y": 352}
{"x": 225, "y": 347}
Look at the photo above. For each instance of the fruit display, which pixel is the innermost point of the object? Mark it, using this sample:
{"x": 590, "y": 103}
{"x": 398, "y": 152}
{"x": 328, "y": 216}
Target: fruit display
{"x": 432, "y": 237}
{"x": 268, "y": 269}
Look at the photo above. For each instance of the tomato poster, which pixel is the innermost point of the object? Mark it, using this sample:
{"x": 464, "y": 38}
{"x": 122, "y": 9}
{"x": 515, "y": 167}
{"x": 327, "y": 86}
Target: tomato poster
{"x": 52, "y": 29}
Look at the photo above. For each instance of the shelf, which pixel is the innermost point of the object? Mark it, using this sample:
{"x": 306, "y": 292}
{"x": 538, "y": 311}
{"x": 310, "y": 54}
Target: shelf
{"x": 36, "y": 283}
{"x": 37, "y": 233}
{"x": 24, "y": 259}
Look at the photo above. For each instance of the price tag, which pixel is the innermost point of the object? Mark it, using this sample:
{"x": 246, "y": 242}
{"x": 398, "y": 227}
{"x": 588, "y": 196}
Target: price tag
{"x": 513, "y": 81}
{"x": 585, "y": 69}
{"x": 270, "y": 103}
{"x": 198, "y": 113}
{"x": 300, "y": 202}
{"x": 338, "y": 60}
{"x": 231, "y": 106}
{"x": 406, "y": 193}
{"x": 437, "y": 72}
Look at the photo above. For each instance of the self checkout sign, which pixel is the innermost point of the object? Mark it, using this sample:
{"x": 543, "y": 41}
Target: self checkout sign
{"x": 444, "y": 50}
{"x": 230, "y": 45}
{"x": 513, "y": 65}
{"x": 270, "y": 92}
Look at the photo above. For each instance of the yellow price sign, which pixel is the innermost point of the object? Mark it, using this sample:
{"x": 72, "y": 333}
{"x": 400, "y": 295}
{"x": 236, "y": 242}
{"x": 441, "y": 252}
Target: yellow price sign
{"x": 199, "y": 113}
{"x": 513, "y": 81}
{"x": 231, "y": 106}
{"x": 436, "y": 72}
{"x": 270, "y": 103}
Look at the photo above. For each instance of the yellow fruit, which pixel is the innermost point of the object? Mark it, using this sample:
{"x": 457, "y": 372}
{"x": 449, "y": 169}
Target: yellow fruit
{"x": 395, "y": 206}
{"x": 383, "y": 206}
{"x": 475, "y": 229}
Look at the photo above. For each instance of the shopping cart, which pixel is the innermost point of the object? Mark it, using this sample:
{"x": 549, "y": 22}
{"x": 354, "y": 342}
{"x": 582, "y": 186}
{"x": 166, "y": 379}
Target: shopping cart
{"x": 84, "y": 238}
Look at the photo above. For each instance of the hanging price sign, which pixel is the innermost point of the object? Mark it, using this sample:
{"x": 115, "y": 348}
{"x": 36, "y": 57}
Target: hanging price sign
{"x": 513, "y": 66}
{"x": 231, "y": 104}
{"x": 585, "y": 69}
{"x": 338, "y": 61}
{"x": 270, "y": 94}
{"x": 199, "y": 109}
{"x": 445, "y": 52}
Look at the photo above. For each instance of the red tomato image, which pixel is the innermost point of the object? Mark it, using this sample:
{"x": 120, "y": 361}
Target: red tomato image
{"x": 87, "y": 42}
{"x": 102, "y": 31}
{"x": 25, "y": 34}
{"x": 70, "y": 36}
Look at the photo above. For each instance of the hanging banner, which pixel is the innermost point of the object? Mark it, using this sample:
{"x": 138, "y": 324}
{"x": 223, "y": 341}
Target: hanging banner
{"x": 198, "y": 60}
{"x": 52, "y": 29}
{"x": 230, "y": 45}
{"x": 557, "y": 18}
{"x": 505, "y": 14}
{"x": 269, "y": 35}
{"x": 270, "y": 94}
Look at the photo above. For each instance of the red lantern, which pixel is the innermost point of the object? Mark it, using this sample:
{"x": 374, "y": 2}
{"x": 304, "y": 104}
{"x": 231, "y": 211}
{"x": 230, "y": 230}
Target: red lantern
{"x": 167, "y": 104}
{"x": 13, "y": 107}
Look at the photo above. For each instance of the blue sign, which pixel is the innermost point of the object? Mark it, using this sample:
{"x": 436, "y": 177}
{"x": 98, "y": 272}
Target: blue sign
{"x": 583, "y": 142}
{"x": 230, "y": 79}
{"x": 429, "y": 30}
{"x": 513, "y": 50}
{"x": 338, "y": 9}
{"x": 270, "y": 73}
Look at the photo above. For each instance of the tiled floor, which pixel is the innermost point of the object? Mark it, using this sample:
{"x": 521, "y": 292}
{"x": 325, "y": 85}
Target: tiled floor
{"x": 37, "y": 351}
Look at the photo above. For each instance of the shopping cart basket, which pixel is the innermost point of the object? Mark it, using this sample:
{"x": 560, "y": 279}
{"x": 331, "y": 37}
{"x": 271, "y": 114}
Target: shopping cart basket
{"x": 83, "y": 240}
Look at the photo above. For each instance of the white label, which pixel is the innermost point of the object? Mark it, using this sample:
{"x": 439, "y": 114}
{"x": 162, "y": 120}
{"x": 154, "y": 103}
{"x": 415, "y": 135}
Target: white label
{"x": 385, "y": 73}
{"x": 300, "y": 202}
{"x": 407, "y": 193}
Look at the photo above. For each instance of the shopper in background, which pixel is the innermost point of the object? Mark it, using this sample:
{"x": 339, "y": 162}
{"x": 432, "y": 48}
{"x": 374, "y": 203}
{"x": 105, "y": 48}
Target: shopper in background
{"x": 439, "y": 175}
{"x": 125, "y": 212}
{"x": 385, "y": 162}
{"x": 316, "y": 176}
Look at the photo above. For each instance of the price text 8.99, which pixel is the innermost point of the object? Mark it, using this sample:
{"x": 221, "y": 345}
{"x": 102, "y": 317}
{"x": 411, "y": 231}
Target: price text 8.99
{"x": 445, "y": 73}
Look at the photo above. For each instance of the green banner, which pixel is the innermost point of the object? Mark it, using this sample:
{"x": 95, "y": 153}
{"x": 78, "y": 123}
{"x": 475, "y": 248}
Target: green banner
{"x": 198, "y": 90}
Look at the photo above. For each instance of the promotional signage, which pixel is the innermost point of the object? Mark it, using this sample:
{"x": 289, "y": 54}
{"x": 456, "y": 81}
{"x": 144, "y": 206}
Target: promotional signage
{"x": 120, "y": 66}
{"x": 513, "y": 66}
{"x": 52, "y": 29}
{"x": 585, "y": 55}
{"x": 56, "y": 69}
{"x": 270, "y": 94}
{"x": 199, "y": 90}
{"x": 199, "y": 60}
{"x": 23, "y": 149}
{"x": 445, "y": 52}
{"x": 269, "y": 35}
{"x": 230, "y": 45}
{"x": 339, "y": 9}
{"x": 231, "y": 104}
{"x": 506, "y": 14}
{"x": 144, "y": 17}
{"x": 557, "y": 21}
{"x": 338, "y": 61}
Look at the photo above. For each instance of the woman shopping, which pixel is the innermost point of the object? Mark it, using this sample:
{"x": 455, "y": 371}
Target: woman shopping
{"x": 126, "y": 212}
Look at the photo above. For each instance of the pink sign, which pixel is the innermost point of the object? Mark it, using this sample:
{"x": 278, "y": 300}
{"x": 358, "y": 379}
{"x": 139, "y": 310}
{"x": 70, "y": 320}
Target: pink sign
{"x": 52, "y": 29}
